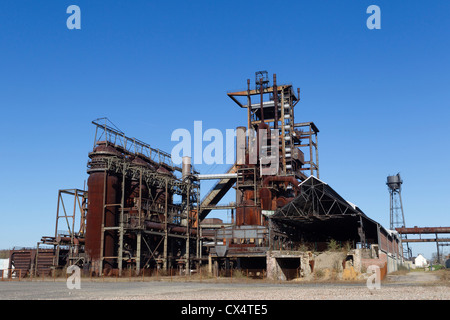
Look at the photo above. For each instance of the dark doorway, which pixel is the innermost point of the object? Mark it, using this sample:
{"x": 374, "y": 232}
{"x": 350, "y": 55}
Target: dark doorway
{"x": 290, "y": 267}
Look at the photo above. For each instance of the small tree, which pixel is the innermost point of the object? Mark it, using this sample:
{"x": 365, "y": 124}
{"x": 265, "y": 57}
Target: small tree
{"x": 333, "y": 245}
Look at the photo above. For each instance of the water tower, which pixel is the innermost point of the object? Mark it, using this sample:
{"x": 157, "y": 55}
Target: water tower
{"x": 397, "y": 217}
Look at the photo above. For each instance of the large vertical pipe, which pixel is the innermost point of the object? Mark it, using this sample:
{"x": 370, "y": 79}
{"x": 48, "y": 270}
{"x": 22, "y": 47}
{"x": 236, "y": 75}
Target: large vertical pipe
{"x": 186, "y": 167}
{"x": 283, "y": 143}
{"x": 188, "y": 231}
{"x": 262, "y": 96}
{"x": 249, "y": 106}
{"x": 249, "y": 115}
{"x": 263, "y": 128}
{"x": 275, "y": 101}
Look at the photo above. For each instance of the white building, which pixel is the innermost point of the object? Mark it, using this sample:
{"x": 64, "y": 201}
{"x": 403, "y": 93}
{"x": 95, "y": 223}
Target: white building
{"x": 420, "y": 261}
{"x": 4, "y": 264}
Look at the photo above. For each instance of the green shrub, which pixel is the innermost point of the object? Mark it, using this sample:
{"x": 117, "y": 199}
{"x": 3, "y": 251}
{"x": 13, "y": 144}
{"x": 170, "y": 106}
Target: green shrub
{"x": 333, "y": 245}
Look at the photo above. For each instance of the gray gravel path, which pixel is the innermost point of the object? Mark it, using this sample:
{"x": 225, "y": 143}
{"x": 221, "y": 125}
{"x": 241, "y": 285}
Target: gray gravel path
{"x": 166, "y": 290}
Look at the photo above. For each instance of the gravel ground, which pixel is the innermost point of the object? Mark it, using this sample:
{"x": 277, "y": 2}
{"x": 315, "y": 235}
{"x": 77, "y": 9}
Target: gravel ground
{"x": 402, "y": 287}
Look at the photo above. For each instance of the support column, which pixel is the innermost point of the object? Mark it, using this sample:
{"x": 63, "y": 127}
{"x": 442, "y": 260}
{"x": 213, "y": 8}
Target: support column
{"x": 121, "y": 230}
{"x": 311, "y": 159}
{"x": 139, "y": 233}
{"x": 199, "y": 230}
{"x": 210, "y": 264}
{"x": 317, "y": 156}
{"x": 249, "y": 107}
{"x": 283, "y": 142}
{"x": 56, "y": 259}
{"x": 437, "y": 248}
{"x": 138, "y": 252}
{"x": 188, "y": 233}
{"x": 165, "y": 256}
{"x": 216, "y": 268}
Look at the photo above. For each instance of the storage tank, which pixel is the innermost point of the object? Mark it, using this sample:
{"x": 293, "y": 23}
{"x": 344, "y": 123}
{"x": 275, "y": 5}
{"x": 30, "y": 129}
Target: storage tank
{"x": 394, "y": 182}
{"x": 97, "y": 183}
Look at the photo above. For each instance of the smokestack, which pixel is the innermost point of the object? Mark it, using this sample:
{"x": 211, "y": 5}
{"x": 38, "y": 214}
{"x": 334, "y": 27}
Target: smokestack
{"x": 186, "y": 167}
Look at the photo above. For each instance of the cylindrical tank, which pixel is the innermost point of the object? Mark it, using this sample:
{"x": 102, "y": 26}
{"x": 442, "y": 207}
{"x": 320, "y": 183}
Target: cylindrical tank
{"x": 96, "y": 187}
{"x": 96, "y": 193}
{"x": 394, "y": 182}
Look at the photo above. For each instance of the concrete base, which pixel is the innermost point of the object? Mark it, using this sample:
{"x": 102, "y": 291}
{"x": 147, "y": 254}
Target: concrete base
{"x": 283, "y": 265}
{"x": 287, "y": 265}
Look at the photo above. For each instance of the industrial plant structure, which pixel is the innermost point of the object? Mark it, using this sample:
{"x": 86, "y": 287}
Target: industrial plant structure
{"x": 140, "y": 211}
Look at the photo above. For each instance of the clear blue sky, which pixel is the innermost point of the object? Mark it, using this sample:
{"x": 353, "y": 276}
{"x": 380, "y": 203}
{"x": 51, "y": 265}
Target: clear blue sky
{"x": 380, "y": 98}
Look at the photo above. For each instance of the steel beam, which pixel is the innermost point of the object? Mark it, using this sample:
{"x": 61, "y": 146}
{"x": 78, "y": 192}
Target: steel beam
{"x": 427, "y": 240}
{"x": 423, "y": 230}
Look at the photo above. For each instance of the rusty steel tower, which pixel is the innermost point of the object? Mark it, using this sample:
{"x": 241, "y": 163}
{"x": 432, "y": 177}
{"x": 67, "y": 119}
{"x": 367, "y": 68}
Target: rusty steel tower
{"x": 396, "y": 214}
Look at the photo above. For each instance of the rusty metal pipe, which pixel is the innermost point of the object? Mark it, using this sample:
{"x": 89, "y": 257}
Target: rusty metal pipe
{"x": 262, "y": 93}
{"x": 249, "y": 105}
{"x": 418, "y": 230}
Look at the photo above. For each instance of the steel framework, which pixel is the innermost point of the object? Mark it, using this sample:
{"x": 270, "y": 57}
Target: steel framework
{"x": 68, "y": 244}
{"x": 137, "y": 220}
{"x": 427, "y": 230}
{"x": 396, "y": 213}
{"x": 319, "y": 204}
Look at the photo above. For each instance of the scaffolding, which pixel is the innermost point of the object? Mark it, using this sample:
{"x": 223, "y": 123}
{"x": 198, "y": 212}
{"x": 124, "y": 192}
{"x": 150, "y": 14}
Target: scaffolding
{"x": 276, "y": 108}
